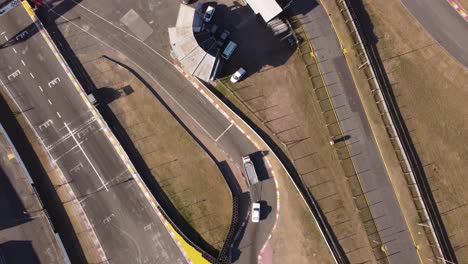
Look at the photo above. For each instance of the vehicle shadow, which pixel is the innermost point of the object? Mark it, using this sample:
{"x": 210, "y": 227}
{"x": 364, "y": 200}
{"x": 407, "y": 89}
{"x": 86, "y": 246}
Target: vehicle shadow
{"x": 289, "y": 166}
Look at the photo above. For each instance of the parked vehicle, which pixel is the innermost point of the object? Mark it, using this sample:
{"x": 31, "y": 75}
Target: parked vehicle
{"x": 224, "y": 35}
{"x": 209, "y": 13}
{"x": 255, "y": 212}
{"x": 214, "y": 28}
{"x": 229, "y": 50}
{"x": 238, "y": 75}
{"x": 249, "y": 170}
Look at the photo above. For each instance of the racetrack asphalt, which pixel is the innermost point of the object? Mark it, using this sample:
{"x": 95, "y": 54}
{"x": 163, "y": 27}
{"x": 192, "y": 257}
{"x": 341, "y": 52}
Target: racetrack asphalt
{"x": 443, "y": 24}
{"x": 151, "y": 59}
{"x": 125, "y": 223}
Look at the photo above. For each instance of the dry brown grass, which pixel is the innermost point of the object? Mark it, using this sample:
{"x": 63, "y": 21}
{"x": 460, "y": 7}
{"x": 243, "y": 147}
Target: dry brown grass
{"x": 464, "y": 4}
{"x": 288, "y": 111}
{"x": 185, "y": 172}
{"x": 431, "y": 90}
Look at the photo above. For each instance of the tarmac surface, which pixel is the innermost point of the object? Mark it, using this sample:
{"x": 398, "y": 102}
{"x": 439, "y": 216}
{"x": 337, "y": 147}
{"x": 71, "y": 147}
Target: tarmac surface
{"x": 89, "y": 23}
{"x": 25, "y": 232}
{"x": 375, "y": 181}
{"x": 444, "y": 24}
{"x": 126, "y": 225}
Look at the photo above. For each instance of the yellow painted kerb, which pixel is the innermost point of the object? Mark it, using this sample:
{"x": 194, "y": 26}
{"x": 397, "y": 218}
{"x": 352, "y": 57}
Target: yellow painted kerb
{"x": 192, "y": 254}
{"x": 28, "y": 8}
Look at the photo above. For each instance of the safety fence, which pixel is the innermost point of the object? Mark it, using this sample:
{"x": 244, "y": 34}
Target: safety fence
{"x": 396, "y": 129}
{"x": 337, "y": 135}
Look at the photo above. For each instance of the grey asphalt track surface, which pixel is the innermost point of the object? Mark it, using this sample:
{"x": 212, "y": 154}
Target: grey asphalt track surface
{"x": 25, "y": 233}
{"x": 101, "y": 25}
{"x": 126, "y": 225}
{"x": 374, "y": 179}
{"x": 444, "y": 24}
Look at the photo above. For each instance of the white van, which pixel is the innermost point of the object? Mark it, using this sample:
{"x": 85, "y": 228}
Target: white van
{"x": 230, "y": 48}
{"x": 255, "y": 212}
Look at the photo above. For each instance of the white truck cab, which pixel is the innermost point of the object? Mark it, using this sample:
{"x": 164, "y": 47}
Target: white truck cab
{"x": 255, "y": 212}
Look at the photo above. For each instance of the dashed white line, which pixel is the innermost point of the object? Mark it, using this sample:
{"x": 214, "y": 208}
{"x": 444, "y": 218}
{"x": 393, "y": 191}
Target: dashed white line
{"x": 48, "y": 100}
{"x": 6, "y": 38}
{"x": 59, "y": 115}
{"x": 22, "y": 61}
{"x": 15, "y": 50}
{"x": 40, "y": 88}
{"x": 2, "y": 33}
{"x": 32, "y": 76}
{"x": 86, "y": 156}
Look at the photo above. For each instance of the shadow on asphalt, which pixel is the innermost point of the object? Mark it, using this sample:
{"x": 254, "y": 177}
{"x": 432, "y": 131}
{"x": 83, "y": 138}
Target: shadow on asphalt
{"x": 289, "y": 166}
{"x": 44, "y": 186}
{"x": 265, "y": 209}
{"x": 12, "y": 207}
{"x": 49, "y": 21}
{"x": 21, "y": 36}
{"x": 18, "y": 251}
{"x": 370, "y": 41}
{"x": 244, "y": 207}
{"x": 141, "y": 166}
{"x": 257, "y": 47}
{"x": 259, "y": 164}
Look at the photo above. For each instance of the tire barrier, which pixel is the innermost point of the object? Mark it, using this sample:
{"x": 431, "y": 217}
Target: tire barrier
{"x": 225, "y": 253}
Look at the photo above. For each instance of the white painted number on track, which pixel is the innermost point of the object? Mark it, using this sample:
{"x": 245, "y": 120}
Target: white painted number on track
{"x": 77, "y": 168}
{"x": 46, "y": 124}
{"x": 14, "y": 75}
{"x": 54, "y": 82}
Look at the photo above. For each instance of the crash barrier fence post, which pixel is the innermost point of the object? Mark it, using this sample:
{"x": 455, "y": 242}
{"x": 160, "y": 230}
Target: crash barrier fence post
{"x": 342, "y": 148}
{"x": 382, "y": 104}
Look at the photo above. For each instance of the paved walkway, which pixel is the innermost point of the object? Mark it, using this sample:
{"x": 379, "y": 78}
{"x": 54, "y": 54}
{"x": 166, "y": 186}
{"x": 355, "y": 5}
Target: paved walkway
{"x": 375, "y": 181}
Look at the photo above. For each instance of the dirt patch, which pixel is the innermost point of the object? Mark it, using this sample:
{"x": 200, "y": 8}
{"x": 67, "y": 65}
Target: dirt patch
{"x": 307, "y": 245}
{"x": 281, "y": 101}
{"x": 183, "y": 170}
{"x": 431, "y": 89}
{"x": 464, "y": 4}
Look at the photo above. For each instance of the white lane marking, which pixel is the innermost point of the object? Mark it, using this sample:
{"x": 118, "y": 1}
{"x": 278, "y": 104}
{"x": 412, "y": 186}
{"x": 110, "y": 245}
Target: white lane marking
{"x": 77, "y": 168}
{"x": 32, "y": 76}
{"x": 54, "y": 81}
{"x": 48, "y": 100}
{"x": 224, "y": 132}
{"x": 6, "y": 38}
{"x": 22, "y": 35}
{"x": 76, "y": 130}
{"x": 86, "y": 156}
{"x": 46, "y": 124}
{"x": 15, "y": 50}
{"x": 22, "y": 61}
{"x": 13, "y": 75}
{"x": 2, "y": 33}
{"x": 40, "y": 88}
{"x": 127, "y": 33}
{"x": 41, "y": 141}
{"x": 58, "y": 114}
{"x": 141, "y": 68}
{"x": 68, "y": 151}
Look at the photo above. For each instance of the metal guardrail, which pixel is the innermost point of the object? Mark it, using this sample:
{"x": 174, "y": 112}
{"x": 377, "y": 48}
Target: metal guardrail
{"x": 331, "y": 241}
{"x": 347, "y": 162}
{"x": 398, "y": 132}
